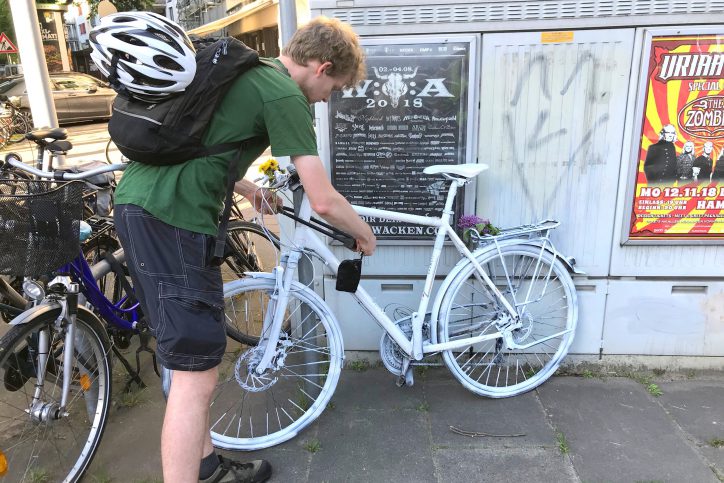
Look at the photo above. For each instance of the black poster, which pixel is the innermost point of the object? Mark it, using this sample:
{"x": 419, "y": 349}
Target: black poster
{"x": 51, "y": 44}
{"x": 409, "y": 113}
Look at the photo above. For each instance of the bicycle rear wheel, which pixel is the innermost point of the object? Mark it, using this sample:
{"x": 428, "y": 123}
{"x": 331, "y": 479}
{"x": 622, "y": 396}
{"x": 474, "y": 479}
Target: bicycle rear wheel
{"x": 5, "y": 134}
{"x": 40, "y": 441}
{"x": 250, "y": 249}
{"x": 543, "y": 291}
{"x": 253, "y": 411}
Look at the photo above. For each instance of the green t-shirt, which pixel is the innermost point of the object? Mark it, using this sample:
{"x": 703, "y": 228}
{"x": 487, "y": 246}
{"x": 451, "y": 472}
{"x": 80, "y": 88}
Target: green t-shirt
{"x": 263, "y": 102}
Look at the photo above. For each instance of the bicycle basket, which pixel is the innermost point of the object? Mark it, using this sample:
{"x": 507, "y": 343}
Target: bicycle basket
{"x": 39, "y": 225}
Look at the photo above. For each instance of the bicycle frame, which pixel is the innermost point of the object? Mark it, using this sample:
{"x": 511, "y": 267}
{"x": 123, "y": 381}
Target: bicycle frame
{"x": 413, "y": 347}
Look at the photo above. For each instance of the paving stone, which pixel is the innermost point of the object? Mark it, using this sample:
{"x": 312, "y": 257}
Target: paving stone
{"x": 450, "y": 404}
{"x": 375, "y": 388}
{"x": 698, "y": 407}
{"x": 616, "y": 432}
{"x": 373, "y": 446}
{"x": 529, "y": 464}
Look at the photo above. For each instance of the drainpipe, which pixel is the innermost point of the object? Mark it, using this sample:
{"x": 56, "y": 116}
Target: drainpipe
{"x": 287, "y": 20}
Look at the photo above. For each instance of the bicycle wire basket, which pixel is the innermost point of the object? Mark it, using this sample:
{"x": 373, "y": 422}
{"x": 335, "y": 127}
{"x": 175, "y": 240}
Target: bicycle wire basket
{"x": 39, "y": 225}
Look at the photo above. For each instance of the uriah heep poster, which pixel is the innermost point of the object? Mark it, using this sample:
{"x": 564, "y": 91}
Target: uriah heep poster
{"x": 679, "y": 188}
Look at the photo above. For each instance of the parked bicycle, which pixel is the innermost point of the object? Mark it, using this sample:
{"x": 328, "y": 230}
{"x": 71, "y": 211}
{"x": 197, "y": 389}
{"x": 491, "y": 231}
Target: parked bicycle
{"x": 55, "y": 361}
{"x": 502, "y": 320}
{"x": 14, "y": 123}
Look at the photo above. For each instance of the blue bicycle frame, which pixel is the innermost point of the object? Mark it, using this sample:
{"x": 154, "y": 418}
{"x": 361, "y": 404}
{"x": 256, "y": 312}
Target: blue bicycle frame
{"x": 113, "y": 313}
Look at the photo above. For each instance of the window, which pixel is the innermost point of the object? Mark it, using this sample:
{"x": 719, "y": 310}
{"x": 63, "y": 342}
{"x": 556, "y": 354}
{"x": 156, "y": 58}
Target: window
{"x": 82, "y": 28}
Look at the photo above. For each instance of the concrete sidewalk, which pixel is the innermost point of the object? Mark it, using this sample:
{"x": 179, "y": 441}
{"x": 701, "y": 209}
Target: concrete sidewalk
{"x": 573, "y": 428}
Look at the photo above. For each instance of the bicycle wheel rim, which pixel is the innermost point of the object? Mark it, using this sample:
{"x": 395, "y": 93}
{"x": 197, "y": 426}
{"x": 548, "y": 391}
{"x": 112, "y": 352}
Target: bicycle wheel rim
{"x": 250, "y": 249}
{"x": 59, "y": 450}
{"x": 490, "y": 368}
{"x": 253, "y": 412}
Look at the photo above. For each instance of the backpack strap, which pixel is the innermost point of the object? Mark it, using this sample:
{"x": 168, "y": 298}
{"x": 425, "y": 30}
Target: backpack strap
{"x": 220, "y": 242}
{"x": 234, "y": 165}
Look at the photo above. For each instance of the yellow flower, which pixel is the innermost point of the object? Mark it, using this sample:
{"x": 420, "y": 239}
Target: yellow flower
{"x": 269, "y": 166}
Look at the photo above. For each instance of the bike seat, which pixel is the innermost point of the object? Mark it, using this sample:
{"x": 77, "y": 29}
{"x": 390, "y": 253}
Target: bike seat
{"x": 48, "y": 133}
{"x": 469, "y": 170}
{"x": 59, "y": 147}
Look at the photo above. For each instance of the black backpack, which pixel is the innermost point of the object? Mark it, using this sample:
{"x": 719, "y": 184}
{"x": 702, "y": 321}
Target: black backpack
{"x": 170, "y": 132}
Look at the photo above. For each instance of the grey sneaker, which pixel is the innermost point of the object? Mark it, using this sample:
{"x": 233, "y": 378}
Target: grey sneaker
{"x": 234, "y": 471}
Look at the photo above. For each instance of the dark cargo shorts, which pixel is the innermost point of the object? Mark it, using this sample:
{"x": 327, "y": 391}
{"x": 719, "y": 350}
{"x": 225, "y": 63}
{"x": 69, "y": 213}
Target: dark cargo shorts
{"x": 181, "y": 295}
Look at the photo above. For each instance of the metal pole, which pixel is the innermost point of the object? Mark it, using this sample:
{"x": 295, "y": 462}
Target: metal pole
{"x": 32, "y": 56}
{"x": 287, "y": 20}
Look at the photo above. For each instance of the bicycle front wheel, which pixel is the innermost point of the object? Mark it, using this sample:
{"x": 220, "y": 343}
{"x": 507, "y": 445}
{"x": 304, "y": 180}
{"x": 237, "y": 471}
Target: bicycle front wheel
{"x": 40, "y": 440}
{"x": 253, "y": 411}
{"x": 542, "y": 291}
{"x": 250, "y": 249}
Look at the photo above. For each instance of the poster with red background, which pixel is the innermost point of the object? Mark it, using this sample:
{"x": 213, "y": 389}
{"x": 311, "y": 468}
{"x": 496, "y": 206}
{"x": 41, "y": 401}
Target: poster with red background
{"x": 679, "y": 191}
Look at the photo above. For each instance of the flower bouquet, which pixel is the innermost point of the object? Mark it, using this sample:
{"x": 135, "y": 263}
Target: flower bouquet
{"x": 270, "y": 168}
{"x": 481, "y": 226}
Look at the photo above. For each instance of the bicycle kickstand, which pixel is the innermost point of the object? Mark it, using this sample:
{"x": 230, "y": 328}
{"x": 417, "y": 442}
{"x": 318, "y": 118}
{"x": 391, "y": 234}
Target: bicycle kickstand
{"x": 406, "y": 376}
{"x": 133, "y": 376}
{"x": 144, "y": 337}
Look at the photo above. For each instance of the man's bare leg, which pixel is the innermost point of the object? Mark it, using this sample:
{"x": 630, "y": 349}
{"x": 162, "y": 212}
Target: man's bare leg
{"x": 185, "y": 435}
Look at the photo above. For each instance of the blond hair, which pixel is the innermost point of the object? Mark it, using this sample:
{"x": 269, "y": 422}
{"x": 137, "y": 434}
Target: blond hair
{"x": 329, "y": 40}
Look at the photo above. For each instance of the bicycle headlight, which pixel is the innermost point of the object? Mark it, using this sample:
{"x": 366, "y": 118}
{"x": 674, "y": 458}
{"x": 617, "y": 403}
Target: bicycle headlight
{"x": 33, "y": 290}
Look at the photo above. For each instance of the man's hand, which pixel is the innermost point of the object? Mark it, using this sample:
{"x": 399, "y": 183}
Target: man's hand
{"x": 264, "y": 201}
{"x": 267, "y": 202}
{"x": 367, "y": 245}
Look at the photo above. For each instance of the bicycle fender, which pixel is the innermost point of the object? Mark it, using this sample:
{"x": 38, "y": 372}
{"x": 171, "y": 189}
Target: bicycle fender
{"x": 44, "y": 308}
{"x": 569, "y": 263}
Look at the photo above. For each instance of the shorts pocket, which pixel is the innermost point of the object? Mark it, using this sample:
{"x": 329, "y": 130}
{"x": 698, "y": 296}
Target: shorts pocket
{"x": 155, "y": 246}
{"x": 191, "y": 325}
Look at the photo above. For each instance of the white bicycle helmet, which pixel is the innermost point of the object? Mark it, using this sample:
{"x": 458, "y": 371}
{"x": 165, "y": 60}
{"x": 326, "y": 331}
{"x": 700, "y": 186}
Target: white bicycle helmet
{"x": 155, "y": 58}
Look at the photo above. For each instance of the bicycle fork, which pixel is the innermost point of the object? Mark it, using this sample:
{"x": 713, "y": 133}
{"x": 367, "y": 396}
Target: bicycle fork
{"x": 65, "y": 292}
{"x": 274, "y": 316}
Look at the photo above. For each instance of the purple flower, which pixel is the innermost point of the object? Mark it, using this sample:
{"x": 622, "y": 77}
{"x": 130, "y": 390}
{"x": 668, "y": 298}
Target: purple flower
{"x": 469, "y": 221}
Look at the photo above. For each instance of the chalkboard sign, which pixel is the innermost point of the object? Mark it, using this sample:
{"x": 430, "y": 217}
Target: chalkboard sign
{"x": 409, "y": 113}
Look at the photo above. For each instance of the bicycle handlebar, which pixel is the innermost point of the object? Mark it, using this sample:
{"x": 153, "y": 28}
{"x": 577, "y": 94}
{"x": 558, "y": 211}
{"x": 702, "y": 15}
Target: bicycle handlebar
{"x": 14, "y": 160}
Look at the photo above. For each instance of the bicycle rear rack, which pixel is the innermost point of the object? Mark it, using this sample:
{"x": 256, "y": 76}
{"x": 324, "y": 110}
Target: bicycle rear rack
{"x": 538, "y": 230}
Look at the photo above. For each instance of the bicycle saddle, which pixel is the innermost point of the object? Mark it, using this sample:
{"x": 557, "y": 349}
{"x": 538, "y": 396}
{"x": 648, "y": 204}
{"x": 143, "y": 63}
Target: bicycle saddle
{"x": 469, "y": 170}
{"x": 48, "y": 133}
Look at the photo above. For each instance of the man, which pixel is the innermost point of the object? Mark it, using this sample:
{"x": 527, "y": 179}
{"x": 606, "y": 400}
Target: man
{"x": 703, "y": 163}
{"x": 717, "y": 174}
{"x": 685, "y": 162}
{"x": 660, "y": 164}
{"x": 167, "y": 219}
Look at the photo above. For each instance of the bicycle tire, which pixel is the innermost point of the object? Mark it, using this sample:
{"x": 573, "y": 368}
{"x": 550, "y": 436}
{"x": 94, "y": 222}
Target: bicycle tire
{"x": 60, "y": 450}
{"x": 252, "y": 412}
{"x": 549, "y": 307}
{"x": 250, "y": 250}
{"x": 5, "y": 134}
{"x": 21, "y": 124}
{"x": 93, "y": 251}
